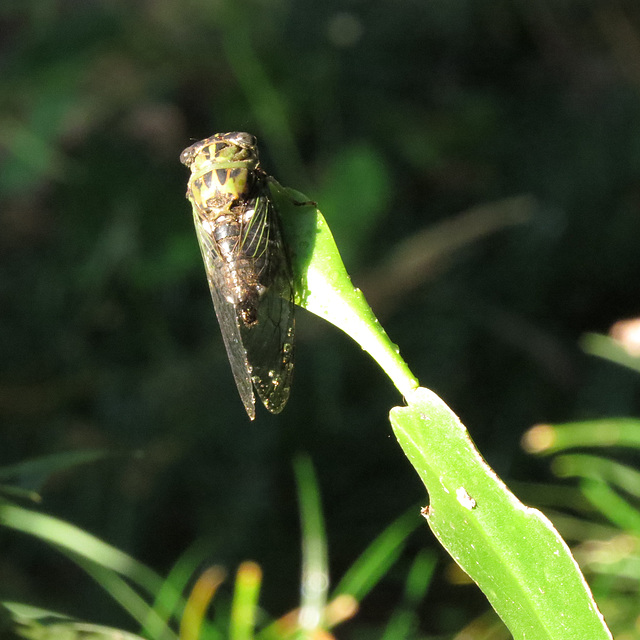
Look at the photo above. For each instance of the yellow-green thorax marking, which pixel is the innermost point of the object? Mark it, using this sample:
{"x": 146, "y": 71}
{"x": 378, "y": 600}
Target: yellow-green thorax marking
{"x": 222, "y": 169}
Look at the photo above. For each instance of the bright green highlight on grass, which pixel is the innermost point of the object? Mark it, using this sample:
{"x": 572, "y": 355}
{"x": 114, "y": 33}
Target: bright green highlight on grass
{"x": 511, "y": 551}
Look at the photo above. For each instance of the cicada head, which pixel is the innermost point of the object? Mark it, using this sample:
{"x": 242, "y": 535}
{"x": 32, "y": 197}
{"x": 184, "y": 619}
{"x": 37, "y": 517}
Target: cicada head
{"x": 222, "y": 149}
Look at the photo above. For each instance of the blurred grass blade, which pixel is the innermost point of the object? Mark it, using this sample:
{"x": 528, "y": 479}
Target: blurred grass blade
{"x": 40, "y": 624}
{"x": 267, "y": 103}
{"x": 340, "y": 609}
{"x": 420, "y": 577}
{"x": 33, "y": 473}
{"x": 597, "y": 468}
{"x": 86, "y": 631}
{"x": 22, "y": 611}
{"x": 357, "y": 180}
{"x": 131, "y": 601}
{"x": 315, "y": 570}
{"x": 609, "y": 349}
{"x": 17, "y": 494}
{"x": 72, "y": 631}
{"x": 416, "y": 259}
{"x": 83, "y": 544}
{"x": 511, "y": 551}
{"x": 245, "y": 601}
{"x": 485, "y": 627}
{"x": 544, "y": 439}
{"x": 612, "y": 505}
{"x": 193, "y": 620}
{"x": 378, "y": 557}
{"x": 169, "y": 601}
{"x": 404, "y": 621}
{"x": 18, "y": 620}
{"x": 581, "y": 529}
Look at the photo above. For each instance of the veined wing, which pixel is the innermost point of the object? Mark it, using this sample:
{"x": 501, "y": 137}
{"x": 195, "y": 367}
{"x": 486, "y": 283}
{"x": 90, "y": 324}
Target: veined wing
{"x": 269, "y": 342}
{"x": 227, "y": 318}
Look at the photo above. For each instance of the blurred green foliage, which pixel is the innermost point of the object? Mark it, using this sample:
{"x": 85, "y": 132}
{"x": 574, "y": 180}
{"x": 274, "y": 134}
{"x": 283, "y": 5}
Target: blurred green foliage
{"x": 396, "y": 117}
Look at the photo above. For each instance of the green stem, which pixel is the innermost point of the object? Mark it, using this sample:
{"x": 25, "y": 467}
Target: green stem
{"x": 324, "y": 287}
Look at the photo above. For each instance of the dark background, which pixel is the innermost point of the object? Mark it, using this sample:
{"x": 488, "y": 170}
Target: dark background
{"x": 396, "y": 116}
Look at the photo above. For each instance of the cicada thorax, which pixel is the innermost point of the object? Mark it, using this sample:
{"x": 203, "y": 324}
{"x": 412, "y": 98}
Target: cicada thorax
{"x": 234, "y": 216}
{"x": 220, "y": 189}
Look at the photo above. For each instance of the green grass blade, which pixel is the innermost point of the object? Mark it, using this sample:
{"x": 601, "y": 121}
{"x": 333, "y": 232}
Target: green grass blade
{"x": 244, "y": 607}
{"x": 419, "y": 577}
{"x": 267, "y": 102}
{"x": 405, "y": 620}
{"x": 544, "y": 439}
{"x": 73, "y": 539}
{"x": 131, "y": 601}
{"x": 9, "y": 492}
{"x": 169, "y": 602}
{"x": 195, "y": 624}
{"x": 33, "y": 623}
{"x": 20, "y": 611}
{"x": 36, "y": 470}
{"x": 511, "y": 551}
{"x": 609, "y": 349}
{"x": 612, "y": 505}
{"x": 377, "y": 558}
{"x": 315, "y": 570}
{"x": 597, "y": 468}
{"x": 72, "y": 631}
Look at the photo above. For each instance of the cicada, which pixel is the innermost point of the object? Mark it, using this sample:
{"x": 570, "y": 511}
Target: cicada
{"x": 247, "y": 265}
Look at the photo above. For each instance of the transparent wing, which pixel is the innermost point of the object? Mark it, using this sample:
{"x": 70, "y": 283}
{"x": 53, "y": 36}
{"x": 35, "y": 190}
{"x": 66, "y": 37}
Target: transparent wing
{"x": 269, "y": 342}
{"x": 227, "y": 318}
